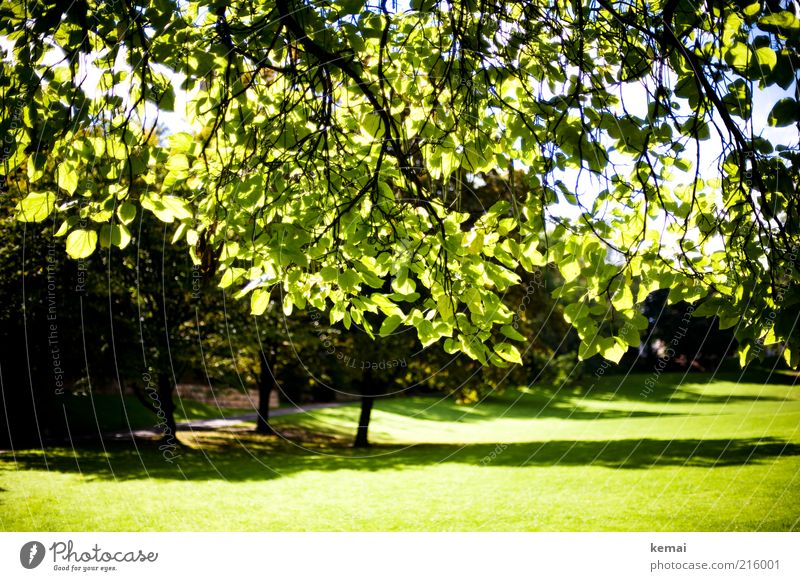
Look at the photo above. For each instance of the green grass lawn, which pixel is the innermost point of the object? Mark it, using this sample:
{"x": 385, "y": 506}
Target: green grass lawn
{"x": 693, "y": 456}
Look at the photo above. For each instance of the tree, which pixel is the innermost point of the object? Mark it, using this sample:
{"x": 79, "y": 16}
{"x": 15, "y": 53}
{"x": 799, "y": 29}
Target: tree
{"x": 238, "y": 344}
{"x": 679, "y": 341}
{"x": 141, "y": 320}
{"x": 85, "y": 324}
{"x": 38, "y": 310}
{"x": 329, "y": 144}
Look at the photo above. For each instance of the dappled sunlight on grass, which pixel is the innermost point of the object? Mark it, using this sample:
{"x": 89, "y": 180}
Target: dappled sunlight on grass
{"x": 676, "y": 411}
{"x": 695, "y": 456}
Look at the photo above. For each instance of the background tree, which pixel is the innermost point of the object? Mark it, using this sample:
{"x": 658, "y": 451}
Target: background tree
{"x": 684, "y": 341}
{"x": 39, "y": 316}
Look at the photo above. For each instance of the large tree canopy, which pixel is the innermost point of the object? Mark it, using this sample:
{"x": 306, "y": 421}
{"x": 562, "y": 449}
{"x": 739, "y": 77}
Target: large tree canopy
{"x": 325, "y": 149}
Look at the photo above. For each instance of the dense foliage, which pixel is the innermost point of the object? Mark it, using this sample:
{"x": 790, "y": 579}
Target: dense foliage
{"x": 327, "y": 150}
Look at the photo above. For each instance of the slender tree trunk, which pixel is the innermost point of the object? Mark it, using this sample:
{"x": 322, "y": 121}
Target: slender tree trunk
{"x": 362, "y": 439}
{"x": 166, "y": 416}
{"x": 367, "y": 399}
{"x": 265, "y": 383}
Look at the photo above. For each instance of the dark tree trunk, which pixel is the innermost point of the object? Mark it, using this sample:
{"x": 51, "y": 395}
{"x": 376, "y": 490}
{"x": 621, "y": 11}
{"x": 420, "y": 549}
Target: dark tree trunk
{"x": 166, "y": 417}
{"x": 265, "y": 382}
{"x": 143, "y": 399}
{"x": 362, "y": 439}
{"x": 368, "y": 392}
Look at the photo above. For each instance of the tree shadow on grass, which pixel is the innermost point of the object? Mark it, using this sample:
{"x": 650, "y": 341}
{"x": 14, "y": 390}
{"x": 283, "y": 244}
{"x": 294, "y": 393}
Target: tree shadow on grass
{"x": 248, "y": 457}
{"x": 674, "y": 387}
{"x": 533, "y": 406}
{"x": 604, "y": 398}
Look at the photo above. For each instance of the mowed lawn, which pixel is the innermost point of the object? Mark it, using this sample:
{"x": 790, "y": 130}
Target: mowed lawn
{"x": 695, "y": 455}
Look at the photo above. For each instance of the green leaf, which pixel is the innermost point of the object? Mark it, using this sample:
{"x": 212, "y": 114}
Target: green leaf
{"x": 329, "y": 274}
{"x": 229, "y": 250}
{"x": 512, "y": 333}
{"x": 178, "y": 163}
{"x": 288, "y": 305}
{"x": 780, "y": 22}
{"x": 475, "y": 159}
{"x": 166, "y": 100}
{"x": 792, "y": 356}
{"x": 784, "y": 113}
{"x": 348, "y": 280}
{"x": 444, "y": 306}
{"x": 386, "y": 306}
{"x": 687, "y": 88}
{"x": 766, "y": 59}
{"x": 350, "y": 6}
{"x": 613, "y": 349}
{"x": 259, "y": 301}
{"x": 640, "y": 322}
{"x": 738, "y": 56}
{"x": 389, "y": 324}
{"x": 81, "y": 243}
{"x": 500, "y": 276}
{"x": 371, "y": 123}
{"x": 508, "y": 352}
{"x": 67, "y": 178}
{"x": 36, "y": 167}
{"x": 181, "y": 142}
{"x": 450, "y": 346}
{"x": 575, "y": 311}
{"x": 230, "y": 276}
{"x": 65, "y": 226}
{"x": 530, "y": 255}
{"x": 622, "y": 299}
{"x": 126, "y": 212}
{"x": 696, "y": 128}
{"x": 745, "y": 355}
{"x": 472, "y": 348}
{"x": 250, "y": 192}
{"x": 167, "y": 208}
{"x": 630, "y": 335}
{"x": 473, "y": 299}
{"x": 402, "y": 284}
{"x": 570, "y": 268}
{"x": 752, "y": 9}
{"x": 589, "y": 348}
{"x": 177, "y": 207}
{"x": 36, "y": 206}
{"x": 116, "y": 234}
{"x": 739, "y": 99}
{"x": 426, "y": 333}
